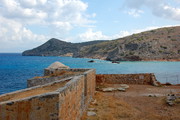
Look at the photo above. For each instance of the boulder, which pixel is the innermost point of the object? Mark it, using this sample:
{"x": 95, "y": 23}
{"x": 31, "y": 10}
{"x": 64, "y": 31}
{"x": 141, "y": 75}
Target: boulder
{"x": 90, "y": 113}
{"x": 124, "y": 86}
{"x": 121, "y": 89}
{"x": 109, "y": 89}
{"x": 91, "y": 109}
{"x": 170, "y": 99}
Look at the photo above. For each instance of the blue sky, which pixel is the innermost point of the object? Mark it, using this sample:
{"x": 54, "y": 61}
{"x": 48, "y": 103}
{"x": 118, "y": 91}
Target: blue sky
{"x": 25, "y": 24}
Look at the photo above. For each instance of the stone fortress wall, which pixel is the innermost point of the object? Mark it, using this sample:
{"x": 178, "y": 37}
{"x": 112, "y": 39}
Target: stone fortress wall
{"x": 141, "y": 79}
{"x": 58, "y": 98}
{"x": 61, "y": 94}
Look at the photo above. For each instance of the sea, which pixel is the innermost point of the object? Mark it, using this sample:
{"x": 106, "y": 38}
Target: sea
{"x": 15, "y": 69}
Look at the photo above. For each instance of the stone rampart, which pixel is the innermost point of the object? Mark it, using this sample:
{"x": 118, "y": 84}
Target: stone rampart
{"x": 64, "y": 99}
{"x": 144, "y": 78}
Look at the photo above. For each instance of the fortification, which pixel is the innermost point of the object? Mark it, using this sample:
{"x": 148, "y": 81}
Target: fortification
{"x": 61, "y": 94}
{"x": 141, "y": 79}
{"x": 51, "y": 97}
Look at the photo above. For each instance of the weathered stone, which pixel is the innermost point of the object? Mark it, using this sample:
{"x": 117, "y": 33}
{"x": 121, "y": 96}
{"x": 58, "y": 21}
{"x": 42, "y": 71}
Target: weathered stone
{"x": 170, "y": 99}
{"x": 91, "y": 109}
{"x": 51, "y": 101}
{"x": 121, "y": 89}
{"x": 108, "y": 89}
{"x": 143, "y": 79}
{"x": 91, "y": 113}
{"x": 94, "y": 102}
{"x": 124, "y": 86}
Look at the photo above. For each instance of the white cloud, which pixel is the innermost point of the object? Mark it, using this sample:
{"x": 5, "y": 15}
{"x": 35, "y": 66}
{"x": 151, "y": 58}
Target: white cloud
{"x": 159, "y": 8}
{"x": 46, "y": 11}
{"x": 90, "y": 35}
{"x": 135, "y": 12}
{"x": 16, "y": 38}
{"x": 60, "y": 16}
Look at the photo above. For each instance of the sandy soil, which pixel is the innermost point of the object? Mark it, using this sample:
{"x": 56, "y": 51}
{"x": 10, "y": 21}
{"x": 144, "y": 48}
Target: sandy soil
{"x": 135, "y": 104}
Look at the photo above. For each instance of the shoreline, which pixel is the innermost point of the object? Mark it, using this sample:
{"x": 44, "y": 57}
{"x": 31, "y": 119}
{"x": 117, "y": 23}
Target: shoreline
{"x": 145, "y": 60}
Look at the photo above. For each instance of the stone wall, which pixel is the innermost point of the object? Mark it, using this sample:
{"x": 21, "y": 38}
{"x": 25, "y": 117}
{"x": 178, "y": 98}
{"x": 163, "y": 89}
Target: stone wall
{"x": 48, "y": 72}
{"x": 42, "y": 107}
{"x": 49, "y": 76}
{"x": 65, "y": 103}
{"x": 144, "y": 78}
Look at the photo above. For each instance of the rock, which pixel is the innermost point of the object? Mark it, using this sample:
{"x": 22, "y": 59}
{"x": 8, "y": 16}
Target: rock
{"x": 124, "y": 86}
{"x": 170, "y": 99}
{"x": 116, "y": 62}
{"x": 122, "y": 89}
{"x": 108, "y": 89}
{"x": 94, "y": 102}
{"x": 91, "y": 109}
{"x": 149, "y": 95}
{"x": 91, "y": 113}
{"x": 91, "y": 61}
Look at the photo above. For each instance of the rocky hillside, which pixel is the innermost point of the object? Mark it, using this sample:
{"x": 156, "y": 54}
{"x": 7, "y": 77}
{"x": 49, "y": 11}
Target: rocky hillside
{"x": 55, "y": 47}
{"x": 158, "y": 44}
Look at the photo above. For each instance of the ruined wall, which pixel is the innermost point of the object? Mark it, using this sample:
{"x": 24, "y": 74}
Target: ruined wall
{"x": 144, "y": 78}
{"x": 43, "y": 107}
{"x": 48, "y": 72}
{"x": 65, "y": 103}
{"x": 77, "y": 95}
{"x": 45, "y": 80}
{"x": 49, "y": 76}
{"x": 71, "y": 100}
{"x": 90, "y": 84}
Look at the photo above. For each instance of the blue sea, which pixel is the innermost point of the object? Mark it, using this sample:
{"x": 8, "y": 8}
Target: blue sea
{"x": 15, "y": 69}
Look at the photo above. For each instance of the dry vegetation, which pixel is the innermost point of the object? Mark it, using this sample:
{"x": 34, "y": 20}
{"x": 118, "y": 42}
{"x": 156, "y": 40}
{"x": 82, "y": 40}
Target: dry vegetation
{"x": 135, "y": 104}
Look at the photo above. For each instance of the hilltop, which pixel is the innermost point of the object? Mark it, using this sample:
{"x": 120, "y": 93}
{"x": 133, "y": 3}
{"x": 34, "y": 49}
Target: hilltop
{"x": 55, "y": 47}
{"x": 158, "y": 44}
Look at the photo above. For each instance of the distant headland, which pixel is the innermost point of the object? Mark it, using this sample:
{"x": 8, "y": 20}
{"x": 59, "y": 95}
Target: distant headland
{"x": 155, "y": 45}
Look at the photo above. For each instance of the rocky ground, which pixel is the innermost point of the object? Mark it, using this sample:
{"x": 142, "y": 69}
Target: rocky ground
{"x": 139, "y": 102}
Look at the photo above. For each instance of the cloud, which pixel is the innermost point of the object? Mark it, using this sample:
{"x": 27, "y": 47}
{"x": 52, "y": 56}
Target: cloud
{"x": 91, "y": 34}
{"x": 60, "y": 16}
{"x": 16, "y": 38}
{"x": 46, "y": 11}
{"x": 159, "y": 8}
{"x": 135, "y": 12}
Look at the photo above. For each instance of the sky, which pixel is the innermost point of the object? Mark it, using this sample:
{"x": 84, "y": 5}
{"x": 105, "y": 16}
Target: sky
{"x": 26, "y": 24}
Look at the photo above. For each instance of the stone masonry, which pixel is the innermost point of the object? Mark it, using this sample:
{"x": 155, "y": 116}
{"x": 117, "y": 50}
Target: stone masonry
{"x": 61, "y": 94}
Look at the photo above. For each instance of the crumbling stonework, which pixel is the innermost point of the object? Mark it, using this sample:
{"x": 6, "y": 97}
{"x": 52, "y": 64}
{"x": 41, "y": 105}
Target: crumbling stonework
{"x": 62, "y": 94}
{"x": 144, "y": 78}
{"x": 66, "y": 102}
{"x": 51, "y": 75}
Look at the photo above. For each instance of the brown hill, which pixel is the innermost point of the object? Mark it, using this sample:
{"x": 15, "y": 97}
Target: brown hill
{"x": 158, "y": 44}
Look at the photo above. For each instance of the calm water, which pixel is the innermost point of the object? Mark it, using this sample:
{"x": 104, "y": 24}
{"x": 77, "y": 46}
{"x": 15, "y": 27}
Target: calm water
{"x": 16, "y": 69}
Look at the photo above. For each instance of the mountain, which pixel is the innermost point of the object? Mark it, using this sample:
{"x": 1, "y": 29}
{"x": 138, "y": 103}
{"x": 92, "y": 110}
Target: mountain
{"x": 55, "y": 47}
{"x": 158, "y": 44}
